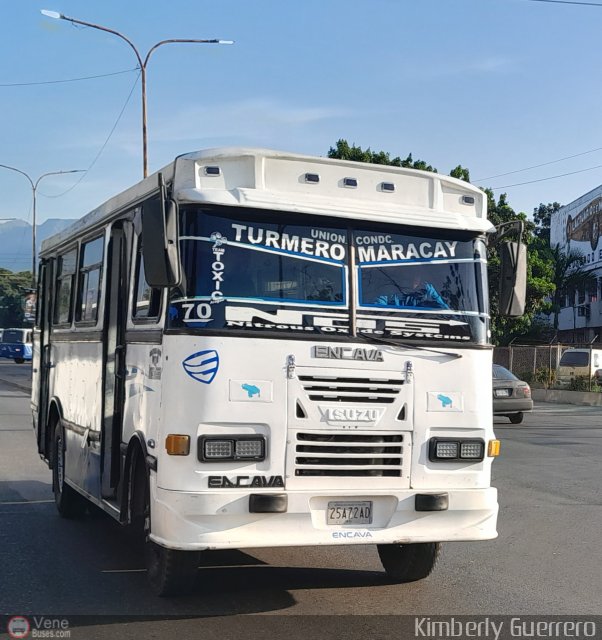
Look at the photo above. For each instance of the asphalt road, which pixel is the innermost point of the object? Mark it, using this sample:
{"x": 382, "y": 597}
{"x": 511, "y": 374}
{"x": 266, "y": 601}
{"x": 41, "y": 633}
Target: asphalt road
{"x": 15, "y": 375}
{"x": 546, "y": 561}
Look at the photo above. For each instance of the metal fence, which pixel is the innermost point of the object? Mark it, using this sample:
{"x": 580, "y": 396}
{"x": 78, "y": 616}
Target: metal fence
{"x": 536, "y": 364}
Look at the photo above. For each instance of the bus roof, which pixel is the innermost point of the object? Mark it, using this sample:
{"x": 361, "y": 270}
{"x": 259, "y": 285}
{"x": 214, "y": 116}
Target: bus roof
{"x": 264, "y": 178}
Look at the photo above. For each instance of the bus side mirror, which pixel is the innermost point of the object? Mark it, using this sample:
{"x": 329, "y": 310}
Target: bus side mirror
{"x": 160, "y": 243}
{"x": 513, "y": 279}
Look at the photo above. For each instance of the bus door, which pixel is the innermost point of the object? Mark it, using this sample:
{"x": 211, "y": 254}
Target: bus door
{"x": 41, "y": 355}
{"x": 114, "y": 345}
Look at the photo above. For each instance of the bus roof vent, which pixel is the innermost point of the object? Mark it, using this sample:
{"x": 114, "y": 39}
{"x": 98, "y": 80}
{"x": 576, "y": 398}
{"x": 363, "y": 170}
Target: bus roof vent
{"x": 387, "y": 186}
{"x": 312, "y": 178}
{"x": 350, "y": 182}
{"x": 467, "y": 199}
{"x": 213, "y": 171}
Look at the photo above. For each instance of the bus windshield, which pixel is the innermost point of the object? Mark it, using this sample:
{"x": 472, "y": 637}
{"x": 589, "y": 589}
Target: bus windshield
{"x": 269, "y": 271}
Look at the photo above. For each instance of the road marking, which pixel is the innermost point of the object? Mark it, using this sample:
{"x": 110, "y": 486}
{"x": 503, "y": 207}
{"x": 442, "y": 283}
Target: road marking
{"x": 28, "y": 502}
{"x": 575, "y": 409}
{"x": 123, "y": 571}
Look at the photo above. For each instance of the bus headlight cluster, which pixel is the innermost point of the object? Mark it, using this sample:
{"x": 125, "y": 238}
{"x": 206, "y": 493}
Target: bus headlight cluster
{"x": 231, "y": 448}
{"x": 444, "y": 449}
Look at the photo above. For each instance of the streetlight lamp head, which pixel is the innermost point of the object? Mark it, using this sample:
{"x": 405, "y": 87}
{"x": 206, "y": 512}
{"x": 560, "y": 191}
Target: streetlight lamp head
{"x": 51, "y": 14}
{"x": 142, "y": 63}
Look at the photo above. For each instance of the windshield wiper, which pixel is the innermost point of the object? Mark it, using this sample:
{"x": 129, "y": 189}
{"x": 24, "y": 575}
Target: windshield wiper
{"x": 393, "y": 343}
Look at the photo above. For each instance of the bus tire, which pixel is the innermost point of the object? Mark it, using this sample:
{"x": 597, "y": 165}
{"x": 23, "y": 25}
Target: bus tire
{"x": 137, "y": 505}
{"x": 409, "y": 562}
{"x": 170, "y": 572}
{"x": 19, "y": 360}
{"x": 69, "y": 503}
{"x": 516, "y": 418}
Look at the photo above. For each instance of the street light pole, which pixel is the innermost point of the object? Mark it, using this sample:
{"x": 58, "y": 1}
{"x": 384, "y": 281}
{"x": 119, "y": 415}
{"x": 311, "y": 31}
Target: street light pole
{"x": 34, "y": 188}
{"x": 141, "y": 63}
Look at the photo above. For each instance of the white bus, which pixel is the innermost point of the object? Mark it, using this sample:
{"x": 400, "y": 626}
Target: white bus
{"x": 253, "y": 348}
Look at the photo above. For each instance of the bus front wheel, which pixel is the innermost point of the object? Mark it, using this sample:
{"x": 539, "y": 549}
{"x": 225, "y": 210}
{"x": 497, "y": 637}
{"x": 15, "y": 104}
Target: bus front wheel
{"x": 19, "y": 360}
{"x": 68, "y": 502}
{"x": 409, "y": 562}
{"x": 170, "y": 572}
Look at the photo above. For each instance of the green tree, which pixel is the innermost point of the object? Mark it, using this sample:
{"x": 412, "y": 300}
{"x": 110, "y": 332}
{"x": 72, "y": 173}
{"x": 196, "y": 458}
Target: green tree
{"x": 461, "y": 173}
{"x": 569, "y": 275}
{"x": 344, "y": 151}
{"x": 539, "y": 274}
{"x": 542, "y": 216}
{"x": 12, "y": 288}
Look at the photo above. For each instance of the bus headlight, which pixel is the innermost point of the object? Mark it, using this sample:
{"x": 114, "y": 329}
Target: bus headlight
{"x": 233, "y": 448}
{"x": 472, "y": 450}
{"x": 218, "y": 449}
{"x": 460, "y": 449}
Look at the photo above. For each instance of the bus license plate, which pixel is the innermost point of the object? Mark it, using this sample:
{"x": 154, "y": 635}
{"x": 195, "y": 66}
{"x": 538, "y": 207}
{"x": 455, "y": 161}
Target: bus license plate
{"x": 349, "y": 512}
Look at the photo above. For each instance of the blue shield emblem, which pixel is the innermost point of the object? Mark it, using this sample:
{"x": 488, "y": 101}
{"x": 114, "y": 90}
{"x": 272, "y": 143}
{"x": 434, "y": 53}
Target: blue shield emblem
{"x": 202, "y": 366}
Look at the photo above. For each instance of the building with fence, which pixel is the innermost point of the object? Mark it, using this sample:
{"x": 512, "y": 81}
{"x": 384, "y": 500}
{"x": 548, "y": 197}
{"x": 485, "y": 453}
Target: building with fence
{"x": 578, "y": 226}
{"x": 536, "y": 364}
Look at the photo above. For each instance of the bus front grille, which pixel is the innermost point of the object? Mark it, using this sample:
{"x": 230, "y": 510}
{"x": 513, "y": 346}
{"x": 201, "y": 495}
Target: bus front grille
{"x": 351, "y": 389}
{"x": 343, "y": 454}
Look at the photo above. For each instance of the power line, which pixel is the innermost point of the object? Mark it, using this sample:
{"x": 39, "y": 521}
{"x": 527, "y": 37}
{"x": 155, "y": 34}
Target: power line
{"x": 102, "y": 148}
{"x": 536, "y": 166}
{"x": 30, "y": 84}
{"x": 560, "y": 175}
{"x": 588, "y": 4}
{"x": 544, "y": 164}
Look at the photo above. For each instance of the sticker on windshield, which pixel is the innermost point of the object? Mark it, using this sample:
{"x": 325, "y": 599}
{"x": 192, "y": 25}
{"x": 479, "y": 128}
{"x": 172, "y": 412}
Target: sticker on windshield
{"x": 217, "y": 268}
{"x": 327, "y": 322}
{"x": 292, "y": 243}
{"x": 408, "y": 251}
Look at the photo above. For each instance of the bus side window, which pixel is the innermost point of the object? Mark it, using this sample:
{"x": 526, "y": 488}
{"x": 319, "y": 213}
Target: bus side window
{"x": 147, "y": 300}
{"x": 64, "y": 288}
{"x": 90, "y": 271}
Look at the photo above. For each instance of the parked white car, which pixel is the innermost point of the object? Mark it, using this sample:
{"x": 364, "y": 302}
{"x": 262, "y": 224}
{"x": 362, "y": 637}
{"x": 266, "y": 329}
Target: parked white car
{"x": 574, "y": 363}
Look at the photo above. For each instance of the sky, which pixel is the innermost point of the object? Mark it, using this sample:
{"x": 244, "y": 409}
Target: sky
{"x": 494, "y": 85}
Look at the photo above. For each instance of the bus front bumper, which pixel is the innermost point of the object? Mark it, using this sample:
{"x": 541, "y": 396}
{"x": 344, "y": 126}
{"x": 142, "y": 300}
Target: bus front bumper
{"x": 221, "y": 520}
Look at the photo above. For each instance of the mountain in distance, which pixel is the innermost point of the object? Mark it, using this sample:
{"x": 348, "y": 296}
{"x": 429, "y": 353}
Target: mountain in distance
{"x": 15, "y": 241}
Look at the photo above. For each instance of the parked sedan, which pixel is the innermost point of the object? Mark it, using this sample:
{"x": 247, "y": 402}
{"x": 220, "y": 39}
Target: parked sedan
{"x": 511, "y": 396}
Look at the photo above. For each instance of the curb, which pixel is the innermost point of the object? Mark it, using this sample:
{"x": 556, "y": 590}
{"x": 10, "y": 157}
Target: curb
{"x": 17, "y": 385}
{"x": 555, "y": 396}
